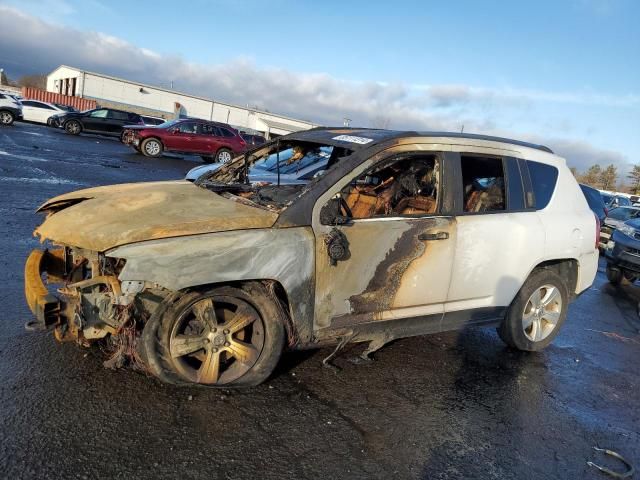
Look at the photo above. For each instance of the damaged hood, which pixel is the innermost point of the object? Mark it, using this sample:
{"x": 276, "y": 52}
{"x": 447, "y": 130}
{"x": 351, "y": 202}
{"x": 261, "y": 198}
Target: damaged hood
{"x": 105, "y": 217}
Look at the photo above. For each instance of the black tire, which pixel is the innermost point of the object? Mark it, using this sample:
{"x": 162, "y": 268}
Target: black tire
{"x": 224, "y": 155}
{"x": 157, "y": 335}
{"x": 6, "y": 118}
{"x": 73, "y": 127}
{"x": 151, "y": 147}
{"x": 512, "y": 330}
{"x": 614, "y": 275}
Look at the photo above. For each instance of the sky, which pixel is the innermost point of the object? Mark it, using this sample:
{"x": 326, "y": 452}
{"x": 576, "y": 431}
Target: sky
{"x": 565, "y": 73}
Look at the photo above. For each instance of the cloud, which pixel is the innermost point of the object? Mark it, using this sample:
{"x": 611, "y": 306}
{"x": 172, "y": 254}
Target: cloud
{"x": 318, "y": 97}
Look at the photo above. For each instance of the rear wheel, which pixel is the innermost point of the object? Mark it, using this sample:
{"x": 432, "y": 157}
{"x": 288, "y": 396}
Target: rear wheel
{"x": 222, "y": 336}
{"x": 224, "y": 155}
{"x": 537, "y": 312}
{"x": 6, "y": 117}
{"x": 151, "y": 147}
{"x": 73, "y": 127}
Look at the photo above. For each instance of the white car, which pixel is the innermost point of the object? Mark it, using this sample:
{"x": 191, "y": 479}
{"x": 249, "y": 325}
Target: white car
{"x": 403, "y": 234}
{"x": 37, "y": 111}
{"x": 10, "y": 109}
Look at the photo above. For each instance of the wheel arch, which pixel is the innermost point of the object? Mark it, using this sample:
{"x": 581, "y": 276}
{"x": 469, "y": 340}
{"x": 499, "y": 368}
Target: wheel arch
{"x": 567, "y": 268}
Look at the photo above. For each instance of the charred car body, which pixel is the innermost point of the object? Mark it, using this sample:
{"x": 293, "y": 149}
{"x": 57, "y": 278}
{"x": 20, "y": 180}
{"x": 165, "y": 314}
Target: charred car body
{"x": 402, "y": 234}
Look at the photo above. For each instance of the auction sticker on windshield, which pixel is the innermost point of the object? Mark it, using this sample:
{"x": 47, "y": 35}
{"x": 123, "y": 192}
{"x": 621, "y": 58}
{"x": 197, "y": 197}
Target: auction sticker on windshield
{"x": 352, "y": 139}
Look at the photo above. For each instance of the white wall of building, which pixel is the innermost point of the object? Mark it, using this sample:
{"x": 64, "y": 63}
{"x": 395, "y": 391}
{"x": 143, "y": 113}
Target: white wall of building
{"x": 103, "y": 87}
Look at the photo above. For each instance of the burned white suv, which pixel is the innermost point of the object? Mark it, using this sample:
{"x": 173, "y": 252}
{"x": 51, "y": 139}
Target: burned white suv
{"x": 402, "y": 234}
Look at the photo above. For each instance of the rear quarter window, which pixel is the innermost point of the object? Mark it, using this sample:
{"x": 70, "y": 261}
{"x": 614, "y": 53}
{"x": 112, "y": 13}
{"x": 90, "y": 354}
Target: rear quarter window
{"x": 543, "y": 180}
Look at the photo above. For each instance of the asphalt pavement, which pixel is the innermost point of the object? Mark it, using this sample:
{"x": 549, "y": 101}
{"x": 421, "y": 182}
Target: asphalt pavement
{"x": 454, "y": 405}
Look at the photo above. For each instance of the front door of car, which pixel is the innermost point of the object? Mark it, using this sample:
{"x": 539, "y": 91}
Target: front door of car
{"x": 95, "y": 120}
{"x": 384, "y": 245}
{"x": 181, "y": 138}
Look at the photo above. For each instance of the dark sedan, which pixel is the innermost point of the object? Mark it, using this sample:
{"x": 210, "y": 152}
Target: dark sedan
{"x": 107, "y": 121}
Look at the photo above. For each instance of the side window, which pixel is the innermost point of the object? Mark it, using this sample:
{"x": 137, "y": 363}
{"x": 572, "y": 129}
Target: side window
{"x": 188, "y": 127}
{"x": 543, "y": 181}
{"x": 99, "y": 114}
{"x": 208, "y": 129}
{"x": 45, "y": 106}
{"x": 2, "y": 96}
{"x": 116, "y": 115}
{"x": 482, "y": 183}
{"x": 406, "y": 185}
{"x": 227, "y": 133}
{"x": 28, "y": 103}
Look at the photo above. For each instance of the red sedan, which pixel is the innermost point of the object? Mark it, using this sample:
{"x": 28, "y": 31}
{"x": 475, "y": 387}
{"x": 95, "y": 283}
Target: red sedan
{"x": 213, "y": 141}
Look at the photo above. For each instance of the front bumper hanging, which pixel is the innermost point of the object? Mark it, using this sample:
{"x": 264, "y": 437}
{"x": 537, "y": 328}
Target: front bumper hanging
{"x": 47, "y": 308}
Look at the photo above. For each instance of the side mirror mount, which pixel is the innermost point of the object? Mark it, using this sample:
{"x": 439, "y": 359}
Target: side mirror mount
{"x": 331, "y": 213}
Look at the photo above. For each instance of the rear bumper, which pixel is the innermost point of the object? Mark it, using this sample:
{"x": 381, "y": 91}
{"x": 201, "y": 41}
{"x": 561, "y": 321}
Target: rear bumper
{"x": 47, "y": 308}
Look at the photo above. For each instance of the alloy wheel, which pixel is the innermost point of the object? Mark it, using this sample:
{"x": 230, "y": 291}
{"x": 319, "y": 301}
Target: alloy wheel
{"x": 152, "y": 148}
{"x": 216, "y": 340}
{"x": 541, "y": 313}
{"x": 224, "y": 157}
{"x": 5, "y": 118}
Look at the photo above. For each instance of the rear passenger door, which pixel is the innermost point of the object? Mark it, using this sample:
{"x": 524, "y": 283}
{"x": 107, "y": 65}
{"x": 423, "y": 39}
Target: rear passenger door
{"x": 211, "y": 138}
{"x": 500, "y": 236}
{"x": 116, "y": 120}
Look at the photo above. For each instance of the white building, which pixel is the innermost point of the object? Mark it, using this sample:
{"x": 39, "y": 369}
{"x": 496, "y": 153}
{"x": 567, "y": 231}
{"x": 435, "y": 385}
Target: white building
{"x": 142, "y": 98}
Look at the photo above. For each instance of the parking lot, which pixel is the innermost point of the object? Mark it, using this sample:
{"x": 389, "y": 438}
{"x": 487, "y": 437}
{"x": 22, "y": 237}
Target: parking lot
{"x": 454, "y": 405}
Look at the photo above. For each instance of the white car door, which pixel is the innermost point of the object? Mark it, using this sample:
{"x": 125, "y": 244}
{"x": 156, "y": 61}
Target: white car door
{"x": 500, "y": 236}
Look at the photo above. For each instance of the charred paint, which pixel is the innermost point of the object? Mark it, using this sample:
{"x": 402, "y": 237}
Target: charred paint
{"x": 383, "y": 286}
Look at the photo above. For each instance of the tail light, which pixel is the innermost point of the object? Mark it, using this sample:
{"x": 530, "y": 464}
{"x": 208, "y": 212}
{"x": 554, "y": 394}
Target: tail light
{"x": 597, "y": 230}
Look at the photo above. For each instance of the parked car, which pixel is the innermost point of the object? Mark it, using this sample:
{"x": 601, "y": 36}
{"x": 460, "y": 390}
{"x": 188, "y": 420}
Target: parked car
{"x": 612, "y": 201}
{"x": 403, "y": 234}
{"x": 10, "y": 109}
{"x": 211, "y": 140}
{"x": 623, "y": 253}
{"x": 595, "y": 201}
{"x": 252, "y": 139}
{"x": 37, "y": 111}
{"x": 107, "y": 121}
{"x": 152, "y": 120}
{"x": 615, "y": 218}
{"x": 266, "y": 170}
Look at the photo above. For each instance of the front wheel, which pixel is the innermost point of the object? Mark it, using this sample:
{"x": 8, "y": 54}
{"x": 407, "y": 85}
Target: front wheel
{"x": 6, "y": 118}
{"x": 73, "y": 127}
{"x": 151, "y": 147}
{"x": 614, "y": 275}
{"x": 537, "y": 312}
{"x": 224, "y": 155}
{"x": 224, "y": 336}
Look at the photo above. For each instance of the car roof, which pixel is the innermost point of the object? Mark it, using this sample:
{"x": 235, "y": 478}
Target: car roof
{"x": 357, "y": 138}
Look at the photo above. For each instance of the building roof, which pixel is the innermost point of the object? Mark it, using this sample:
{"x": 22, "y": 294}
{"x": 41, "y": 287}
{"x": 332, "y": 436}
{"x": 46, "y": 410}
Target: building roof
{"x": 168, "y": 90}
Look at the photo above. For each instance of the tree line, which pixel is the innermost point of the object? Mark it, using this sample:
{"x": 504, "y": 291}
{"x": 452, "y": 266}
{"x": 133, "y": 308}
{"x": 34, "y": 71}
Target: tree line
{"x": 607, "y": 178}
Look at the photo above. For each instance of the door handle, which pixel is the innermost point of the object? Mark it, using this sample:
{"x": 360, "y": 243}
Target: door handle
{"x": 433, "y": 236}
